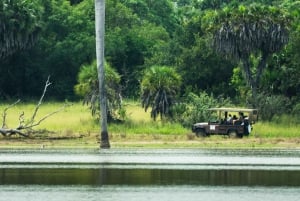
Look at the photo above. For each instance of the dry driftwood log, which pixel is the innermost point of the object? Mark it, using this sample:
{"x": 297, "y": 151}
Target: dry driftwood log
{"x": 26, "y": 127}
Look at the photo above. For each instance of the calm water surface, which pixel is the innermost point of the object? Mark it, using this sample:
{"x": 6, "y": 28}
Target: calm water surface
{"x": 149, "y": 174}
{"x": 152, "y": 158}
{"x": 147, "y": 193}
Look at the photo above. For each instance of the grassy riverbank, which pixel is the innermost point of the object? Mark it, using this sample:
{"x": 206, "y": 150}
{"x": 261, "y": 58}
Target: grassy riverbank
{"x": 75, "y": 128}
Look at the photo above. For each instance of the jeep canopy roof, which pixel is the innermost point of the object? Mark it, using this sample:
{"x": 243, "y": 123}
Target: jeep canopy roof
{"x": 232, "y": 109}
{"x": 253, "y": 113}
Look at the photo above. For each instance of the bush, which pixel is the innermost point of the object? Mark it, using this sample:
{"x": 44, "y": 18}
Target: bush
{"x": 296, "y": 110}
{"x": 195, "y": 108}
{"x": 159, "y": 88}
{"x": 272, "y": 105}
{"x": 88, "y": 87}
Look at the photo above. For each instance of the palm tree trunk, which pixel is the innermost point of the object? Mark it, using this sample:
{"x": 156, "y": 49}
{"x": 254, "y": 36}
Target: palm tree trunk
{"x": 100, "y": 26}
{"x": 248, "y": 75}
{"x": 254, "y": 80}
{"x": 261, "y": 66}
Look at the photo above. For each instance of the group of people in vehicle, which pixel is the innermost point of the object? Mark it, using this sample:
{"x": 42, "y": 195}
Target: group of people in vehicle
{"x": 234, "y": 120}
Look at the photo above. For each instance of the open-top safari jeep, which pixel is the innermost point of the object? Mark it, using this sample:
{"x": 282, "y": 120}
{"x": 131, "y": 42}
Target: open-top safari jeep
{"x": 234, "y": 122}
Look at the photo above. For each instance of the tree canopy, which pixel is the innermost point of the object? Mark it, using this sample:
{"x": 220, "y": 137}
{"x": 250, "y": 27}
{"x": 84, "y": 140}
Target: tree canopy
{"x": 205, "y": 42}
{"x": 255, "y": 31}
{"x": 20, "y": 25}
{"x": 159, "y": 87}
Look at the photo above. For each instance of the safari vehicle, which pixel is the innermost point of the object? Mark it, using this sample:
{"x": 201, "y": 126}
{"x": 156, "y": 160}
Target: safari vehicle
{"x": 234, "y": 122}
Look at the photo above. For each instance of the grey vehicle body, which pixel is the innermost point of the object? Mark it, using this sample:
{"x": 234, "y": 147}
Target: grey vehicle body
{"x": 235, "y": 127}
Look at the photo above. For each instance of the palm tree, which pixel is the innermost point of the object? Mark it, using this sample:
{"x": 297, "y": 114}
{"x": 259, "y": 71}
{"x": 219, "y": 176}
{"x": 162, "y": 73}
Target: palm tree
{"x": 249, "y": 34}
{"x": 99, "y": 26}
{"x": 159, "y": 88}
{"x": 88, "y": 87}
{"x": 20, "y": 25}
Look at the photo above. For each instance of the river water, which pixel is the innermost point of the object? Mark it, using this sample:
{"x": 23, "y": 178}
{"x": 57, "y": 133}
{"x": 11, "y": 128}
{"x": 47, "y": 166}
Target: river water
{"x": 150, "y": 174}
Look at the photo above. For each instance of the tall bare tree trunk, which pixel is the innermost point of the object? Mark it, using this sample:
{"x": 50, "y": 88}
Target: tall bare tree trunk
{"x": 253, "y": 80}
{"x": 100, "y": 27}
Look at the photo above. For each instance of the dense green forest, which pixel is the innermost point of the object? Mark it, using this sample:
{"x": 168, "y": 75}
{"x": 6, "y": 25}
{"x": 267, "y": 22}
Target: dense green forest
{"x": 238, "y": 52}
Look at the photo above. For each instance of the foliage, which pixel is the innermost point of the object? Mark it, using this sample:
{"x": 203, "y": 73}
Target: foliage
{"x": 20, "y": 25}
{"x": 239, "y": 84}
{"x": 156, "y": 12}
{"x": 135, "y": 40}
{"x": 296, "y": 110}
{"x": 219, "y": 4}
{"x": 65, "y": 43}
{"x": 255, "y": 31}
{"x": 159, "y": 87}
{"x": 271, "y": 105}
{"x": 88, "y": 87}
{"x": 242, "y": 31}
{"x": 202, "y": 69}
{"x": 195, "y": 108}
{"x": 145, "y": 33}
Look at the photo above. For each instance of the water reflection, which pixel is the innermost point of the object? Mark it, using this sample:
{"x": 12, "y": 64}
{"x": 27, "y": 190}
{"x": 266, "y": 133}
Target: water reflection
{"x": 151, "y": 167}
{"x": 151, "y": 158}
{"x": 65, "y": 176}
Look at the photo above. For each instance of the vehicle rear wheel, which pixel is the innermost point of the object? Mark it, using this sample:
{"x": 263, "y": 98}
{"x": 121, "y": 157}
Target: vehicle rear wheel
{"x": 233, "y": 134}
{"x": 200, "y": 133}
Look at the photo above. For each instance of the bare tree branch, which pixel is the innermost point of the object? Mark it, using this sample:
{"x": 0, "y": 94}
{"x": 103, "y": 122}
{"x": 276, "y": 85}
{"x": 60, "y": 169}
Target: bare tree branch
{"x": 21, "y": 119}
{"x": 24, "y": 129}
{"x": 9, "y": 132}
{"x": 47, "y": 84}
{"x": 4, "y": 113}
{"x": 45, "y": 117}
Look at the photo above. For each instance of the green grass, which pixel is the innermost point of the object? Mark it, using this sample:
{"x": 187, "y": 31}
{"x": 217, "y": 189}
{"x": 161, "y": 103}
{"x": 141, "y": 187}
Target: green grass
{"x": 139, "y": 122}
{"x": 73, "y": 119}
{"x": 132, "y": 127}
{"x": 136, "y": 113}
{"x": 77, "y": 120}
{"x": 271, "y": 129}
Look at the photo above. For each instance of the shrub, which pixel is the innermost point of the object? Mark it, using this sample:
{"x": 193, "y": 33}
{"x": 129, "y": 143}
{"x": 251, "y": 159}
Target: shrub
{"x": 88, "y": 87}
{"x": 159, "y": 88}
{"x": 195, "y": 108}
{"x": 296, "y": 109}
{"x": 271, "y": 105}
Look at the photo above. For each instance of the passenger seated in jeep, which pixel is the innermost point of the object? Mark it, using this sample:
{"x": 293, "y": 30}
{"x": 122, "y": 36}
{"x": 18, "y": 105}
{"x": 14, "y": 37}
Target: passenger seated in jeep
{"x": 229, "y": 119}
{"x": 235, "y": 120}
{"x": 240, "y": 120}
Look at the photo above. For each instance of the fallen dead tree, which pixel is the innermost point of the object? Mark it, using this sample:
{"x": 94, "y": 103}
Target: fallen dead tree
{"x": 26, "y": 127}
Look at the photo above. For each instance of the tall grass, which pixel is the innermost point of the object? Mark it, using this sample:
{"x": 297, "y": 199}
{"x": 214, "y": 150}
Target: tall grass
{"x": 282, "y": 126}
{"x": 139, "y": 122}
{"x": 77, "y": 119}
{"x": 73, "y": 119}
{"x": 131, "y": 127}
